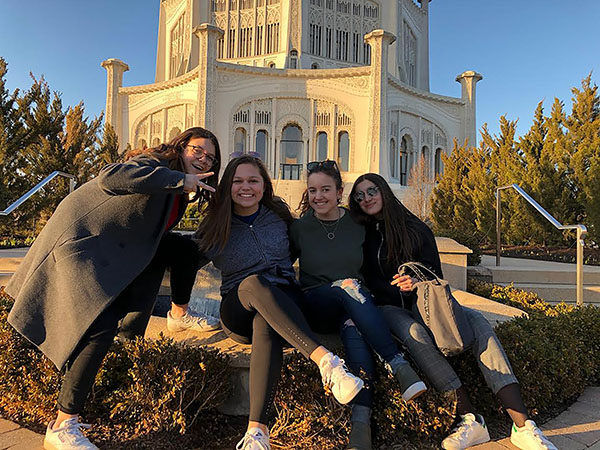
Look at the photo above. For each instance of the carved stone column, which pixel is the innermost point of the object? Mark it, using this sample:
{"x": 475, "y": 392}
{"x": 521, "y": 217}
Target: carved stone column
{"x": 468, "y": 81}
{"x": 114, "y": 80}
{"x": 379, "y": 40}
{"x": 207, "y": 73}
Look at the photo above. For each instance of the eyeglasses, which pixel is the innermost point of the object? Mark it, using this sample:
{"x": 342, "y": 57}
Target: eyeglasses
{"x": 199, "y": 152}
{"x": 372, "y": 191}
{"x": 316, "y": 165}
{"x": 255, "y": 155}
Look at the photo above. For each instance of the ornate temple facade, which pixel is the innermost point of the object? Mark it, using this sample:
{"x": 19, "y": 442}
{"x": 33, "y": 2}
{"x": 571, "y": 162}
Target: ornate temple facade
{"x": 297, "y": 81}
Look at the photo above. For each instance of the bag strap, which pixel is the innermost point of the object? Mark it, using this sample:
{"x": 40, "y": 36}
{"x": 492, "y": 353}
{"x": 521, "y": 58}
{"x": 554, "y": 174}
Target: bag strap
{"x": 417, "y": 268}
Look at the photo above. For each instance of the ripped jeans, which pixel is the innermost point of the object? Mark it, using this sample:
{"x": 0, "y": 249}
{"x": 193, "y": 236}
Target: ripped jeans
{"x": 345, "y": 306}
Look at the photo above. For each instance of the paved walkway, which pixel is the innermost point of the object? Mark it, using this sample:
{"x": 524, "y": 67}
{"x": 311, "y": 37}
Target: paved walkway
{"x": 578, "y": 428}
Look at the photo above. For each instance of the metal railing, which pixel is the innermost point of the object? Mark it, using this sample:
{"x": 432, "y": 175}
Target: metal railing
{"x": 581, "y": 233}
{"x": 37, "y": 187}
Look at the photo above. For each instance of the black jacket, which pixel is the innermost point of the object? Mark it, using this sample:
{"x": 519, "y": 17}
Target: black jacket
{"x": 378, "y": 272}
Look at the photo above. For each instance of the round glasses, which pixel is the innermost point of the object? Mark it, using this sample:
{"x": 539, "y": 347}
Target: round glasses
{"x": 199, "y": 152}
{"x": 371, "y": 191}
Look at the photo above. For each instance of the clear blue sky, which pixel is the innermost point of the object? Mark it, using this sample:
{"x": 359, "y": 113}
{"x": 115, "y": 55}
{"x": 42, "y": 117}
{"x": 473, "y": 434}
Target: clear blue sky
{"x": 527, "y": 51}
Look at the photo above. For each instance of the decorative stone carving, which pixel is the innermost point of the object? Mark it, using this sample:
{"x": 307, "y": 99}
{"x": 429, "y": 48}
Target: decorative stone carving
{"x": 297, "y": 106}
{"x": 295, "y": 24}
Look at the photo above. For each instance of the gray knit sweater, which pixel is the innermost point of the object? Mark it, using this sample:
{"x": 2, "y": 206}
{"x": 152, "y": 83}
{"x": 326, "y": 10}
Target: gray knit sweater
{"x": 261, "y": 248}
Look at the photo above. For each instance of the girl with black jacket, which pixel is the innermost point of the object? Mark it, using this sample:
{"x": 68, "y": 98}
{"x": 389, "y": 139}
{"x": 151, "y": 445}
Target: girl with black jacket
{"x": 395, "y": 236}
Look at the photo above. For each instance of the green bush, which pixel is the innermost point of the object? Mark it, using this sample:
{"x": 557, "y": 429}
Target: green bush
{"x": 147, "y": 386}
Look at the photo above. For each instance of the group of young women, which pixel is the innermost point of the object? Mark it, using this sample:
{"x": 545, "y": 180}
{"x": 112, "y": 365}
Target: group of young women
{"x": 95, "y": 269}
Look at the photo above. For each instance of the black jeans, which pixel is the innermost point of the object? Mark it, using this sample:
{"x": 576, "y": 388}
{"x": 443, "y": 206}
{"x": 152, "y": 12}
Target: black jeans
{"x": 133, "y": 306}
{"x": 266, "y": 315}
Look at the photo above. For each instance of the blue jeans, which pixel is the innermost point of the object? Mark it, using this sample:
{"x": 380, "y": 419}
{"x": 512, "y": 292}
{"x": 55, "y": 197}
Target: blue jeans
{"x": 345, "y": 306}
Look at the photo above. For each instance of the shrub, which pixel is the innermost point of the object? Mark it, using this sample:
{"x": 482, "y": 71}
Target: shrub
{"x": 149, "y": 386}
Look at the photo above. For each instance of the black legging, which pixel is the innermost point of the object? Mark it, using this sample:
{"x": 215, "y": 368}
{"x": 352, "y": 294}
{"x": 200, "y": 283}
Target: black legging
{"x": 134, "y": 306}
{"x": 267, "y": 315}
{"x": 182, "y": 256}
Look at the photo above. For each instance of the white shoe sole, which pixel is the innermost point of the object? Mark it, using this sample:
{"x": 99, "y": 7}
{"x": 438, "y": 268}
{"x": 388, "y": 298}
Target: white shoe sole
{"x": 482, "y": 440}
{"x": 352, "y": 393}
{"x": 414, "y": 391}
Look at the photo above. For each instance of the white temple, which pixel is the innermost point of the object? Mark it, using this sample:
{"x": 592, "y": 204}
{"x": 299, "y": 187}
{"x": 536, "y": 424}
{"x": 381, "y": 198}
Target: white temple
{"x": 297, "y": 81}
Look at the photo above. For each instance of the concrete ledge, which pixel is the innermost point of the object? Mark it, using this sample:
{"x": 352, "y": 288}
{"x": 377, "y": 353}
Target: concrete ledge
{"x": 454, "y": 261}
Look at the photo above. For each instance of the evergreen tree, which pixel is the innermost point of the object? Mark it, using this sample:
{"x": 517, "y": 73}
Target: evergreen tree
{"x": 108, "y": 148}
{"x": 584, "y": 137}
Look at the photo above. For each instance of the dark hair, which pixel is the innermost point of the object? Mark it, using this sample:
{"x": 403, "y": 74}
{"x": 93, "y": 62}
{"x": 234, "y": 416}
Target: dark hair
{"x": 330, "y": 170}
{"x": 214, "y": 230}
{"x": 401, "y": 234}
{"x": 172, "y": 151}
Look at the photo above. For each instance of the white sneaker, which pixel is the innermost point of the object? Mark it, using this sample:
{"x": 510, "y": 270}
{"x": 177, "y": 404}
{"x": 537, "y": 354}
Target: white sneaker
{"x": 254, "y": 439}
{"x": 192, "y": 321}
{"x": 530, "y": 437}
{"x": 467, "y": 433}
{"x": 67, "y": 437}
{"x": 343, "y": 385}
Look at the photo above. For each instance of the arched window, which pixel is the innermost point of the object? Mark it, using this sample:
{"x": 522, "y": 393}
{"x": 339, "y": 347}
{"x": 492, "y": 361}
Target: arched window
{"x": 239, "y": 141}
{"x": 261, "y": 144}
{"x": 321, "y": 146}
{"x": 155, "y": 142}
{"x": 393, "y": 160}
{"x": 438, "y": 162}
{"x": 426, "y": 161}
{"x": 175, "y": 131}
{"x": 294, "y": 59}
{"x": 404, "y": 161}
{"x": 291, "y": 152}
{"x": 271, "y": 65}
{"x": 344, "y": 151}
{"x": 142, "y": 144}
{"x": 314, "y": 66}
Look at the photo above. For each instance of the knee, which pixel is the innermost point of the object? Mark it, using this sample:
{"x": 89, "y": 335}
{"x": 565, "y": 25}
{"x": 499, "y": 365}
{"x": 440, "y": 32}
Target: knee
{"x": 250, "y": 283}
{"x": 353, "y": 290}
{"x": 419, "y": 334}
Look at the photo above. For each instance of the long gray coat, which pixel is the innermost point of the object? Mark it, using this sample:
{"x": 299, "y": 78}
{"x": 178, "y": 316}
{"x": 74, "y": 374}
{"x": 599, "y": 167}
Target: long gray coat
{"x": 98, "y": 240}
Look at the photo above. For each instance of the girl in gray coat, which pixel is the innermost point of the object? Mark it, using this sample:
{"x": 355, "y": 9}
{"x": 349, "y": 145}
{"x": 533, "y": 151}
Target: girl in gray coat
{"x": 94, "y": 262}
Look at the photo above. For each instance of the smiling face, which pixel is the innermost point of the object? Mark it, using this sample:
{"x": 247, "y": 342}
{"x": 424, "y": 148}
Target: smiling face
{"x": 323, "y": 196}
{"x": 247, "y": 189}
{"x": 198, "y": 155}
{"x": 372, "y": 202}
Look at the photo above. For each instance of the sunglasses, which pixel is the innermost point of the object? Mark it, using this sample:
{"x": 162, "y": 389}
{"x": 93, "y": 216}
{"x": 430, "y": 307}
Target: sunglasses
{"x": 199, "y": 152}
{"x": 372, "y": 191}
{"x": 255, "y": 155}
{"x": 316, "y": 165}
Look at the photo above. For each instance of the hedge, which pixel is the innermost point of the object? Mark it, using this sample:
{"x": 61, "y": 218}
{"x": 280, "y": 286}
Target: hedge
{"x": 158, "y": 388}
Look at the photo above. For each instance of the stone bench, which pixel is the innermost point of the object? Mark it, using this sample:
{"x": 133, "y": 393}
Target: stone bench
{"x": 206, "y": 299}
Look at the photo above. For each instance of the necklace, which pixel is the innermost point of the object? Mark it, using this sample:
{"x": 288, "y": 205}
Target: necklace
{"x": 331, "y": 232}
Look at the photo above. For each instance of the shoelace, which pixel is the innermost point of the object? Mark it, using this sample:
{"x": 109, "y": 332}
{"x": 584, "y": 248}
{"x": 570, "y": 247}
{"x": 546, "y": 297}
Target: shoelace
{"x": 461, "y": 430}
{"x": 203, "y": 321}
{"x": 332, "y": 374}
{"x": 73, "y": 434}
{"x": 257, "y": 442}
{"x": 539, "y": 436}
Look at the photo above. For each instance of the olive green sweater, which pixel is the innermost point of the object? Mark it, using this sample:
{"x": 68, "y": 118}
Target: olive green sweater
{"x": 322, "y": 260}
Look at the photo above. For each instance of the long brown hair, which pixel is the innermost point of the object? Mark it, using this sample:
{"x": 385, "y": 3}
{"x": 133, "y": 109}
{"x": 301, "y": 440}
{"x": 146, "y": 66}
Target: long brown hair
{"x": 332, "y": 172}
{"x": 401, "y": 234}
{"x": 172, "y": 152}
{"x": 215, "y": 229}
